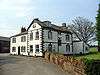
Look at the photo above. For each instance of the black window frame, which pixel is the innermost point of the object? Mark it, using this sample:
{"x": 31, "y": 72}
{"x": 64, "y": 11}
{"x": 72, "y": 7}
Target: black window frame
{"x": 37, "y": 48}
{"x": 50, "y": 35}
{"x": 13, "y": 49}
{"x": 31, "y": 36}
{"x": 50, "y": 47}
{"x": 23, "y": 38}
{"x": 23, "y": 49}
{"x": 68, "y": 48}
{"x": 59, "y": 41}
{"x": 13, "y": 40}
{"x": 37, "y": 35}
{"x": 31, "y": 48}
{"x": 67, "y": 37}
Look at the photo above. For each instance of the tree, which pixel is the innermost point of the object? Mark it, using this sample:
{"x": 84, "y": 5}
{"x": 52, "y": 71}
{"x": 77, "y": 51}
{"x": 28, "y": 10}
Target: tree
{"x": 83, "y": 29}
{"x": 98, "y": 28}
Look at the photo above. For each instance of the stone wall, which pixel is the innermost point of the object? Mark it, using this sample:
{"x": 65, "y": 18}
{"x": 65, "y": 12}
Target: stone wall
{"x": 67, "y": 63}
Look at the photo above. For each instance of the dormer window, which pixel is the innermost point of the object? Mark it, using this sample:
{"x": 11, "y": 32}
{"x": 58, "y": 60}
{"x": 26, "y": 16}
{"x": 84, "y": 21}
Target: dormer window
{"x": 50, "y": 35}
{"x": 13, "y": 40}
{"x": 37, "y": 35}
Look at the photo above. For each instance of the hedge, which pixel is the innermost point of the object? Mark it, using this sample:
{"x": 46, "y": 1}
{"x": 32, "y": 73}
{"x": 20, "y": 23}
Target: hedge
{"x": 92, "y": 67}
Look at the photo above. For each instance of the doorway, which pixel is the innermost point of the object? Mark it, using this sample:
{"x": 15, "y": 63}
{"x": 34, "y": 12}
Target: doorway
{"x": 19, "y": 50}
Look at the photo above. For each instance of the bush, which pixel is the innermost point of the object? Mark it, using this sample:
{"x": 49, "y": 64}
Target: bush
{"x": 92, "y": 67}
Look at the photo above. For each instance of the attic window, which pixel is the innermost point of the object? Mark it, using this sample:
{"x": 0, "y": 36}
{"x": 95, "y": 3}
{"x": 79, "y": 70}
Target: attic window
{"x": 34, "y": 25}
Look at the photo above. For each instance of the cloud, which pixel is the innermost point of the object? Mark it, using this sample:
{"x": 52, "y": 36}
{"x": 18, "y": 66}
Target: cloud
{"x": 19, "y": 8}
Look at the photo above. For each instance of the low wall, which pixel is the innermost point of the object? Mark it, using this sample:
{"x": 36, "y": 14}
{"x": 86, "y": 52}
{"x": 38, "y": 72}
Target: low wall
{"x": 75, "y": 66}
{"x": 67, "y": 63}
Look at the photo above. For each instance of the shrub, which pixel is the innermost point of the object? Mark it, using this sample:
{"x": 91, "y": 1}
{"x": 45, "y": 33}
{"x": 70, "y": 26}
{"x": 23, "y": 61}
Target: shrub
{"x": 92, "y": 67}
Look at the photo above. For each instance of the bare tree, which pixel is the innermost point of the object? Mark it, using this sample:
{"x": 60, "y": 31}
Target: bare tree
{"x": 83, "y": 29}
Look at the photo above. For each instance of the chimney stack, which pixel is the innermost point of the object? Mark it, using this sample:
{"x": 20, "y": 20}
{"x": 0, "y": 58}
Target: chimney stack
{"x": 48, "y": 23}
{"x": 63, "y": 24}
{"x": 23, "y": 29}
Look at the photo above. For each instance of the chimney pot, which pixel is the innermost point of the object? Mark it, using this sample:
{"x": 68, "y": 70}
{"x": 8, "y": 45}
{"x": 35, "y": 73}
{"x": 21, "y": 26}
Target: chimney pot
{"x": 63, "y": 24}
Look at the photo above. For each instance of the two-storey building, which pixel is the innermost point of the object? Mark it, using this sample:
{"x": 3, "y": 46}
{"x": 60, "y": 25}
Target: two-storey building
{"x": 41, "y": 36}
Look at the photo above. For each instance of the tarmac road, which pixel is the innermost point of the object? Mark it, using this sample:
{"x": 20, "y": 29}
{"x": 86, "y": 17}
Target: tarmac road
{"x": 22, "y": 65}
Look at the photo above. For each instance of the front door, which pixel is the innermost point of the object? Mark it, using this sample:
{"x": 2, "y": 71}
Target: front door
{"x": 19, "y": 50}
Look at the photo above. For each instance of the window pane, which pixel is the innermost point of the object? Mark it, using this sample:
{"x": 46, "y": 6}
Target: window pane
{"x": 37, "y": 35}
{"x": 13, "y": 49}
{"x": 67, "y": 48}
{"x": 13, "y": 40}
{"x": 37, "y": 48}
{"x": 23, "y": 48}
{"x": 31, "y": 48}
{"x": 31, "y": 36}
{"x": 49, "y": 35}
{"x": 23, "y": 38}
{"x": 50, "y": 47}
{"x": 67, "y": 38}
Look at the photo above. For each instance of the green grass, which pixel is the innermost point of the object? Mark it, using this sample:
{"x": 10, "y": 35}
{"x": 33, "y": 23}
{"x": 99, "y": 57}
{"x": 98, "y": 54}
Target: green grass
{"x": 93, "y": 54}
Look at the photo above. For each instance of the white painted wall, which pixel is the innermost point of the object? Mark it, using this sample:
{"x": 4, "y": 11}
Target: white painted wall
{"x": 77, "y": 46}
{"x": 17, "y": 44}
{"x": 34, "y": 41}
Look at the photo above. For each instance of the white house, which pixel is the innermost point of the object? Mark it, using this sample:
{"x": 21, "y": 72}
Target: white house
{"x": 41, "y": 36}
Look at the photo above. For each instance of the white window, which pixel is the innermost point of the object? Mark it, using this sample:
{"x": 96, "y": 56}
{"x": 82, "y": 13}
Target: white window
{"x": 13, "y": 49}
{"x": 31, "y": 36}
{"x": 31, "y": 48}
{"x": 37, "y": 35}
{"x": 37, "y": 48}
{"x": 13, "y": 40}
{"x": 23, "y": 49}
{"x": 23, "y": 38}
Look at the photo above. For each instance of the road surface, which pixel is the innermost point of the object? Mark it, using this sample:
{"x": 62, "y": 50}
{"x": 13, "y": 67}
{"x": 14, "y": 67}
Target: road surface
{"x": 22, "y": 65}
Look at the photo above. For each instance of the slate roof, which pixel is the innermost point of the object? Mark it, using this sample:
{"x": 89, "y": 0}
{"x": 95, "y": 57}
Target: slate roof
{"x": 42, "y": 24}
{"x": 4, "y": 38}
{"x": 52, "y": 26}
{"x": 23, "y": 33}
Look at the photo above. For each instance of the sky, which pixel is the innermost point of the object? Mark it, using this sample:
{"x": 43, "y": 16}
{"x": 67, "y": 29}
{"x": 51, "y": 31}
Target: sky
{"x": 17, "y": 13}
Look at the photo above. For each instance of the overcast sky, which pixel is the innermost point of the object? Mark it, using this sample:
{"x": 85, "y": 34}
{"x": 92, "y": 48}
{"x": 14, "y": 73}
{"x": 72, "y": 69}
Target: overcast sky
{"x": 17, "y": 13}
